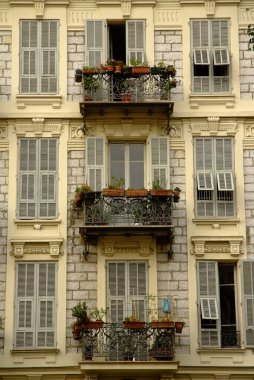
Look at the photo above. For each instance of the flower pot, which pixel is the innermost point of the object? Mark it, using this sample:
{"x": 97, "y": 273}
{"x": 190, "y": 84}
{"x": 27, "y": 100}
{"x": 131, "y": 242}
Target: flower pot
{"x": 179, "y": 327}
{"x": 162, "y": 325}
{"x": 161, "y": 193}
{"x": 113, "y": 193}
{"x": 135, "y": 193}
{"x": 140, "y": 70}
{"x": 77, "y": 331}
{"x": 93, "y": 325}
{"x": 125, "y": 97}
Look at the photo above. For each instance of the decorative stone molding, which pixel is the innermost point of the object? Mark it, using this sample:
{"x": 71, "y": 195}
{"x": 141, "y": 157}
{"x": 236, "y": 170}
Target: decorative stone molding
{"x": 112, "y": 247}
{"x": 126, "y": 8}
{"x": 39, "y": 8}
{"x": 76, "y": 137}
{"x": 217, "y": 245}
{"x": 168, "y": 18}
{"x": 168, "y": 376}
{"x": 5, "y": 17}
{"x": 196, "y": 101}
{"x": 246, "y": 15}
{"x": 76, "y": 17}
{"x": 210, "y": 7}
{"x": 91, "y": 377}
{"x": 46, "y": 246}
{"x": 126, "y": 129}
{"x": 38, "y": 100}
{"x": 248, "y": 142}
{"x": 219, "y": 376}
{"x": 38, "y": 127}
{"x": 4, "y": 143}
{"x": 213, "y": 127}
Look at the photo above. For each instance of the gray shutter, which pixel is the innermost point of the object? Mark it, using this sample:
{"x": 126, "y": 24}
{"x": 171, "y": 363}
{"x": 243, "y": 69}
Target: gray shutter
{"x": 208, "y": 293}
{"x": 135, "y": 40}
{"x": 116, "y": 290}
{"x": 48, "y": 178}
{"x": 201, "y": 57}
{"x": 200, "y": 34}
{"x": 46, "y": 305}
{"x": 49, "y": 56}
{"x": 137, "y": 288}
{"x": 204, "y": 154}
{"x": 27, "y": 178}
{"x": 160, "y": 160}
{"x": 94, "y": 35}
{"x": 220, "y": 33}
{"x": 25, "y": 306}
{"x": 95, "y": 162}
{"x": 29, "y": 56}
{"x": 205, "y": 180}
{"x": 248, "y": 291}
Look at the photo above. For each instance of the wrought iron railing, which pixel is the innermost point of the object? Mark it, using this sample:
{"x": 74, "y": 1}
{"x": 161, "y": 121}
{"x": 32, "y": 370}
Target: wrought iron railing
{"x": 230, "y": 338}
{"x": 148, "y": 210}
{"x": 114, "y": 342}
{"x": 120, "y": 87}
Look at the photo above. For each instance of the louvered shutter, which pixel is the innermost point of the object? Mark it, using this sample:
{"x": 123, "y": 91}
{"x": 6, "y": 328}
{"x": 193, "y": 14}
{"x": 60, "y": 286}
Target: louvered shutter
{"x": 201, "y": 57}
{"x": 46, "y": 305}
{"x": 160, "y": 160}
{"x": 200, "y": 33}
{"x": 95, "y": 162}
{"x": 205, "y": 180}
{"x": 27, "y": 178}
{"x": 208, "y": 298}
{"x": 95, "y": 45}
{"x": 225, "y": 180}
{"x": 248, "y": 291}
{"x": 135, "y": 40}
{"x": 48, "y": 178}
{"x": 25, "y": 305}
{"x": 49, "y": 56}
{"x": 137, "y": 288}
{"x": 116, "y": 290}
{"x": 29, "y": 56}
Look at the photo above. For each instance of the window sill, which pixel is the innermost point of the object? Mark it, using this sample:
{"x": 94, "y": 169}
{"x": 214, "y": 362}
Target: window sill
{"x": 216, "y": 222}
{"x": 196, "y": 100}
{"x": 23, "y": 101}
{"x": 49, "y": 355}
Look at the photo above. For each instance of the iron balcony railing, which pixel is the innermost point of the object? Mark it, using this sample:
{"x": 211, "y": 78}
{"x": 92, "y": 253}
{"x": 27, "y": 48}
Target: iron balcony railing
{"x": 122, "y": 210}
{"x": 117, "y": 342}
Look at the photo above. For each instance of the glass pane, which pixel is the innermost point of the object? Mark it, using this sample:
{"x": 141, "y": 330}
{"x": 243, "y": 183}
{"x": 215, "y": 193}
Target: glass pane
{"x": 117, "y": 165}
{"x": 137, "y": 166}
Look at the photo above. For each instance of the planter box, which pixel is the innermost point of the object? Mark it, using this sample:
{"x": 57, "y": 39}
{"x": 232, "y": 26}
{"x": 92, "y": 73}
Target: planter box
{"x": 162, "y": 325}
{"x": 161, "y": 193}
{"x": 140, "y": 70}
{"x": 113, "y": 192}
{"x": 136, "y": 193}
{"x": 134, "y": 325}
{"x": 93, "y": 325}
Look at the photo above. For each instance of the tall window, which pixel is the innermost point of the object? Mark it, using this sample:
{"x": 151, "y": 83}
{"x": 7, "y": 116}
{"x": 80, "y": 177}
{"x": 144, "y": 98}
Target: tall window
{"x": 37, "y": 178}
{"x": 127, "y": 160}
{"x": 214, "y": 180}
{"x": 121, "y": 40}
{"x": 126, "y": 289}
{"x": 38, "y": 56}
{"x": 210, "y": 56}
{"x": 35, "y": 306}
{"x": 217, "y": 305}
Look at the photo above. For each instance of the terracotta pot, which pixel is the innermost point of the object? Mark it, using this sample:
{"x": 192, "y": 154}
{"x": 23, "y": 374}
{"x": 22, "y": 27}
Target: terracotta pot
{"x": 93, "y": 325}
{"x": 161, "y": 193}
{"x": 179, "y": 327}
{"x": 135, "y": 193}
{"x": 162, "y": 325}
{"x": 113, "y": 192}
{"x": 140, "y": 70}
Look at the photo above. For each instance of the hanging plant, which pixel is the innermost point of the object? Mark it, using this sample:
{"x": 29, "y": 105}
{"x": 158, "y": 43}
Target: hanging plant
{"x": 251, "y": 35}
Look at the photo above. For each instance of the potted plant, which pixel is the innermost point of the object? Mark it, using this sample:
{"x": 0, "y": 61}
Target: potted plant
{"x": 81, "y": 192}
{"x": 114, "y": 188}
{"x": 133, "y": 322}
{"x": 138, "y": 67}
{"x": 110, "y": 65}
{"x": 160, "y": 68}
{"x": 176, "y": 195}
{"x": 90, "y": 70}
{"x": 78, "y": 76}
{"x": 179, "y": 327}
{"x": 97, "y": 319}
{"x": 91, "y": 85}
{"x": 80, "y": 312}
{"x": 158, "y": 189}
{"x": 136, "y": 193}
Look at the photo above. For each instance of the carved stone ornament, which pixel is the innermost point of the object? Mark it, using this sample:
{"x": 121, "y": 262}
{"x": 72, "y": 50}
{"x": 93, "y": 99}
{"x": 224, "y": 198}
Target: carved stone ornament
{"x": 39, "y": 8}
{"x": 142, "y": 248}
{"x": 38, "y": 127}
{"x": 217, "y": 245}
{"x": 210, "y": 7}
{"x": 50, "y": 247}
{"x": 214, "y": 126}
{"x": 126, "y": 8}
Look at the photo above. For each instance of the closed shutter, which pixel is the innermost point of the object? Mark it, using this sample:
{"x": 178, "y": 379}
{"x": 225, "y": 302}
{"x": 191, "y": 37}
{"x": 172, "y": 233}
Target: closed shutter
{"x": 27, "y": 178}
{"x": 25, "y": 305}
{"x": 208, "y": 299}
{"x": 200, "y": 33}
{"x": 29, "y": 56}
{"x": 94, "y": 34}
{"x": 137, "y": 288}
{"x": 135, "y": 40}
{"x": 48, "y": 178}
{"x": 248, "y": 290}
{"x": 160, "y": 160}
{"x": 95, "y": 162}
{"x": 49, "y": 56}
{"x": 46, "y": 305}
{"x": 116, "y": 290}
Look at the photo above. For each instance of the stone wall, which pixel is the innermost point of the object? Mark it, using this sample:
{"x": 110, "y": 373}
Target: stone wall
{"x": 5, "y": 66}
{"x": 4, "y": 168}
{"x": 248, "y": 161}
{"x": 168, "y": 48}
{"x": 76, "y": 59}
{"x": 246, "y": 67}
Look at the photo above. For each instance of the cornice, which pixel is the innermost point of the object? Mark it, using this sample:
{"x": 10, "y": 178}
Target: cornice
{"x": 213, "y": 127}
{"x": 38, "y": 127}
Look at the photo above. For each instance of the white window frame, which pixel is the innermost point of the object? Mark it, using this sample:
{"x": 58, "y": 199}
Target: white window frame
{"x": 209, "y": 308}
{"x": 203, "y": 54}
{"x": 225, "y": 180}
{"x": 39, "y": 53}
{"x": 205, "y": 176}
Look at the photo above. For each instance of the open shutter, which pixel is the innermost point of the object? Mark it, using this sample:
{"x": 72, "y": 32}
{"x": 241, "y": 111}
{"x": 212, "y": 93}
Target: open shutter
{"x": 29, "y": 56}
{"x": 205, "y": 180}
{"x": 95, "y": 162}
{"x": 137, "y": 289}
{"x": 49, "y": 56}
{"x": 46, "y": 305}
{"x": 116, "y": 291}
{"x": 208, "y": 298}
{"x": 25, "y": 305}
{"x": 27, "y": 178}
{"x": 135, "y": 40}
{"x": 248, "y": 290}
{"x": 160, "y": 160}
{"x": 225, "y": 181}
{"x": 95, "y": 45}
{"x": 48, "y": 178}
{"x": 201, "y": 57}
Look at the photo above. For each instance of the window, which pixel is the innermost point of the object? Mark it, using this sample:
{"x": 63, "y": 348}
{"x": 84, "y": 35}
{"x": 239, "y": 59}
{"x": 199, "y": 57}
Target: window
{"x": 126, "y": 289}
{"x": 35, "y": 306}
{"x": 127, "y": 160}
{"x": 121, "y": 40}
{"x": 37, "y": 178}
{"x": 248, "y": 291}
{"x": 214, "y": 180}
{"x": 210, "y": 56}
{"x": 38, "y": 56}
{"x": 217, "y": 300}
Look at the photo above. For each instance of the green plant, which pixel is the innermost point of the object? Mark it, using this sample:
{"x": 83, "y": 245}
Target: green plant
{"x": 251, "y": 35}
{"x": 80, "y": 311}
{"x": 116, "y": 183}
{"x": 158, "y": 184}
{"x": 98, "y": 314}
{"x": 136, "y": 62}
{"x": 110, "y": 61}
{"x": 88, "y": 68}
{"x": 132, "y": 318}
{"x": 90, "y": 83}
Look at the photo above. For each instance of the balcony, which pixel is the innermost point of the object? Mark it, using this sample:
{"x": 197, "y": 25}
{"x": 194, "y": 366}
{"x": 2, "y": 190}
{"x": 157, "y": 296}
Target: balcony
{"x": 128, "y": 214}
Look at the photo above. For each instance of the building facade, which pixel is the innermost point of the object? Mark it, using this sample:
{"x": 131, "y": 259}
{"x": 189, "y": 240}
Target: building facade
{"x": 149, "y": 258}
